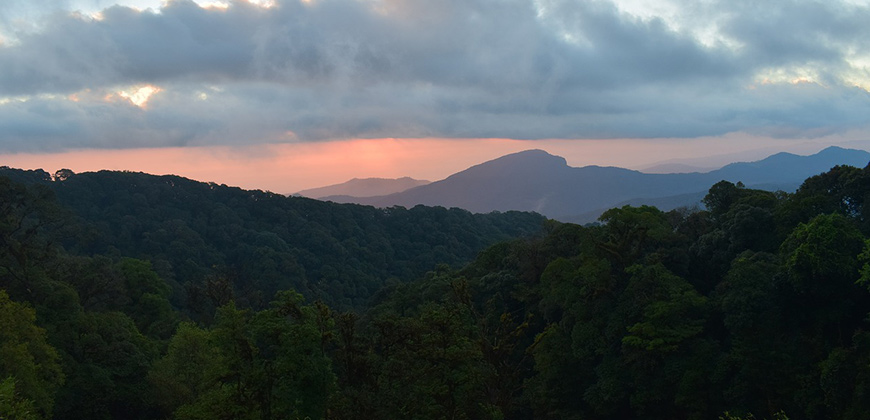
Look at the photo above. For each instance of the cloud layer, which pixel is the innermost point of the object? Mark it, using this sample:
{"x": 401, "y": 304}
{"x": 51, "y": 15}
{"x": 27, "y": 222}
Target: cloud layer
{"x": 242, "y": 73}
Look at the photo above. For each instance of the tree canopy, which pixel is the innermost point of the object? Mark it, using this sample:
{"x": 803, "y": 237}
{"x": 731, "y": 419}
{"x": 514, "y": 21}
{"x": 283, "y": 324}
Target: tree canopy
{"x": 129, "y": 296}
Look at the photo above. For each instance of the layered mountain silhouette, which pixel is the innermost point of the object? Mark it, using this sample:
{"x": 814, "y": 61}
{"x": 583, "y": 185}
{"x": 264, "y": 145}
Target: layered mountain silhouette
{"x": 675, "y": 168}
{"x": 535, "y": 180}
{"x": 365, "y": 187}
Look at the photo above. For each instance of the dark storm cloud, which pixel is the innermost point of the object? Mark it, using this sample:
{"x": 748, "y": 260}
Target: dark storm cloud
{"x": 403, "y": 68}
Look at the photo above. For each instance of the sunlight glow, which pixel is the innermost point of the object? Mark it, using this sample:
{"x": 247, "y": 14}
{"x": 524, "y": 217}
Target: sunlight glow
{"x": 859, "y": 73}
{"x": 139, "y": 95}
{"x": 266, "y": 4}
{"x": 647, "y": 10}
{"x": 153, "y": 6}
{"x": 792, "y": 76}
{"x": 9, "y": 99}
{"x": 219, "y": 5}
{"x": 4, "y": 100}
{"x": 290, "y": 167}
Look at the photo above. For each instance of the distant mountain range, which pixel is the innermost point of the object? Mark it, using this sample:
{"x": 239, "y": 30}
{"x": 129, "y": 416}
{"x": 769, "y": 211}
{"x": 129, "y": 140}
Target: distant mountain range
{"x": 535, "y": 180}
{"x": 366, "y": 187}
{"x": 675, "y": 168}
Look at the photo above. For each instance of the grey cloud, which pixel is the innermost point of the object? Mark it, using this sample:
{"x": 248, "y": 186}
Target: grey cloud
{"x": 473, "y": 68}
{"x": 798, "y": 32}
{"x": 469, "y": 43}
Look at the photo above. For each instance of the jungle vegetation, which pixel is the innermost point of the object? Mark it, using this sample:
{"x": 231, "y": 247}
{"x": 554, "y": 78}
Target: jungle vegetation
{"x": 131, "y": 296}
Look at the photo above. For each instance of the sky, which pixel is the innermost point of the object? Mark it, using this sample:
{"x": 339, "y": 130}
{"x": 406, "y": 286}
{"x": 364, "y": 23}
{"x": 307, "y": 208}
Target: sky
{"x": 292, "y": 94}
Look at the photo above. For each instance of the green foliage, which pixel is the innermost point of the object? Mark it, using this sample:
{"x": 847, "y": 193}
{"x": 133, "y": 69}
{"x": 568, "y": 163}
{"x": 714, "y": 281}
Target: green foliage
{"x": 677, "y": 314}
{"x": 728, "y": 416}
{"x": 149, "y": 298}
{"x": 107, "y": 360}
{"x": 13, "y": 406}
{"x": 634, "y": 231}
{"x": 263, "y": 242}
{"x": 842, "y": 190}
{"x": 191, "y": 363}
{"x": 159, "y": 306}
{"x": 823, "y": 251}
{"x": 26, "y": 213}
{"x": 722, "y": 196}
{"x": 821, "y": 268}
{"x": 26, "y": 356}
{"x": 845, "y": 378}
{"x": 267, "y": 365}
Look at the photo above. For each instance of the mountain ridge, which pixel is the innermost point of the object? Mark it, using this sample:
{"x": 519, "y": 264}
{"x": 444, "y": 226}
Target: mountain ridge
{"x": 363, "y": 187}
{"x": 534, "y": 180}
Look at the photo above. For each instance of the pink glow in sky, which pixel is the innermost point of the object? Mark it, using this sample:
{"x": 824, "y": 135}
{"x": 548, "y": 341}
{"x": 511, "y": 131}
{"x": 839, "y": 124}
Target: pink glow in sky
{"x": 287, "y": 168}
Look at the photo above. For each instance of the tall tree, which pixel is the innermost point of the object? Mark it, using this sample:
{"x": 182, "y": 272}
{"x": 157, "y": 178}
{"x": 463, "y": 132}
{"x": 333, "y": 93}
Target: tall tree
{"x": 26, "y": 356}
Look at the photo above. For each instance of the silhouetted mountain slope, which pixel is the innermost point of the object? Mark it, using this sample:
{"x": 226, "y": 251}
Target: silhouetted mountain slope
{"x": 675, "y": 168}
{"x": 535, "y": 180}
{"x": 366, "y": 187}
{"x": 789, "y": 168}
{"x": 522, "y": 180}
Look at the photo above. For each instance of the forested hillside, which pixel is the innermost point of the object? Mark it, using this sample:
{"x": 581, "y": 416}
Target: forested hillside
{"x": 200, "y": 236}
{"x": 758, "y": 304}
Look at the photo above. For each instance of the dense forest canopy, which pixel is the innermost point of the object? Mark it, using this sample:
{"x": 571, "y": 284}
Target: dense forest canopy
{"x": 132, "y": 296}
{"x": 196, "y": 234}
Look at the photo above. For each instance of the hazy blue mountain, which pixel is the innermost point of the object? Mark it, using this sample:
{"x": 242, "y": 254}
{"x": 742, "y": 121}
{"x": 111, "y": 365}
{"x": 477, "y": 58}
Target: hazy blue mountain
{"x": 787, "y": 168}
{"x": 538, "y": 181}
{"x": 689, "y": 200}
{"x": 366, "y": 187}
{"x": 675, "y": 168}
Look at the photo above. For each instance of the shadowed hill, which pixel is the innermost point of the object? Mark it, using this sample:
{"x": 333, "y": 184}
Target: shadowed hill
{"x": 261, "y": 242}
{"x": 535, "y": 180}
{"x": 367, "y": 187}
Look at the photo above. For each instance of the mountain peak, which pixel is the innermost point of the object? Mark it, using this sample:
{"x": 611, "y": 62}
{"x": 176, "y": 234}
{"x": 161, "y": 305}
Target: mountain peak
{"x": 521, "y": 165}
{"x": 533, "y": 155}
{"x": 837, "y": 151}
{"x": 533, "y": 160}
{"x": 833, "y": 148}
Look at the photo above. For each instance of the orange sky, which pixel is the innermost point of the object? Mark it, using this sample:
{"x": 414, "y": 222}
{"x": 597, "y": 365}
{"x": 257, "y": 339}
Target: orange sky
{"x": 287, "y": 168}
